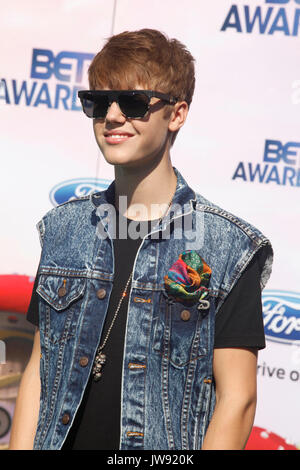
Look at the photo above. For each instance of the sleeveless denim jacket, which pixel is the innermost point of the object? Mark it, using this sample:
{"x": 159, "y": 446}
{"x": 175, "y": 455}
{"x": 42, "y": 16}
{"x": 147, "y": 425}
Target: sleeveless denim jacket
{"x": 168, "y": 391}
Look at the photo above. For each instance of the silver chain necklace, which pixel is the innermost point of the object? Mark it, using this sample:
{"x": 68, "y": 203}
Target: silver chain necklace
{"x": 100, "y": 357}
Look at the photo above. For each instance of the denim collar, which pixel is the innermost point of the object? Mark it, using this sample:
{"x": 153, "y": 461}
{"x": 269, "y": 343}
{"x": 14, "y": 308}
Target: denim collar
{"x": 182, "y": 203}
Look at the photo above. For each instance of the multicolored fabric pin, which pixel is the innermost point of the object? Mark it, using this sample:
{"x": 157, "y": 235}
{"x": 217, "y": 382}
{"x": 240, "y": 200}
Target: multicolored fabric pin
{"x": 188, "y": 278}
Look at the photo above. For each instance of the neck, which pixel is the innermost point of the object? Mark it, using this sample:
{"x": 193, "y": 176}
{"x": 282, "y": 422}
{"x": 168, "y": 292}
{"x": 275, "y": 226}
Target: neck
{"x": 144, "y": 193}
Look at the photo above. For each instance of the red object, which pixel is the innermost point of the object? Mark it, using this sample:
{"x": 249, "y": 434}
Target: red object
{"x": 261, "y": 439}
{"x": 15, "y": 292}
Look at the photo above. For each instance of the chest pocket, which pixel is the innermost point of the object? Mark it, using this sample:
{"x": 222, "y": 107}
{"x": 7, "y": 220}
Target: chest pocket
{"x": 181, "y": 332}
{"x": 61, "y": 299}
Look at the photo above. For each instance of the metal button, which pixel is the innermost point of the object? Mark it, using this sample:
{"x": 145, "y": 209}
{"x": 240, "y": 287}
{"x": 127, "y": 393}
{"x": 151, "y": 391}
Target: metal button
{"x": 84, "y": 361}
{"x": 101, "y": 293}
{"x": 62, "y": 291}
{"x": 65, "y": 419}
{"x": 185, "y": 315}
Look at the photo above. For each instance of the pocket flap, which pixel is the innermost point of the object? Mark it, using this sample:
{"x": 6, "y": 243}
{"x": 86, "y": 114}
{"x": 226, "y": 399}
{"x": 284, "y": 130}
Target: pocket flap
{"x": 60, "y": 291}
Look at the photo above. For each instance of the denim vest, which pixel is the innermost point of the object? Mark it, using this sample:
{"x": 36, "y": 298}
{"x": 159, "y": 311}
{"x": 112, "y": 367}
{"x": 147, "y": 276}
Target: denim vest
{"x": 168, "y": 391}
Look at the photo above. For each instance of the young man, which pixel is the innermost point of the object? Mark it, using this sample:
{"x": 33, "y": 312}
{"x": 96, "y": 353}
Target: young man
{"x": 148, "y": 340}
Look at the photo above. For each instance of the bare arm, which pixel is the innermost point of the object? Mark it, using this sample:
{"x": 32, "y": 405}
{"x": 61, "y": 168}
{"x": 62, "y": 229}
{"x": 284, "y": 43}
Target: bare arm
{"x": 28, "y": 402}
{"x": 235, "y": 377}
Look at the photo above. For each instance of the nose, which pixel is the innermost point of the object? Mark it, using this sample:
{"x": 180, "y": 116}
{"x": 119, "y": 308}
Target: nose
{"x": 114, "y": 114}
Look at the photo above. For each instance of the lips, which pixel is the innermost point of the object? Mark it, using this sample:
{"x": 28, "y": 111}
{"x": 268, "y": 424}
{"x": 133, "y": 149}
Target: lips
{"x": 117, "y": 137}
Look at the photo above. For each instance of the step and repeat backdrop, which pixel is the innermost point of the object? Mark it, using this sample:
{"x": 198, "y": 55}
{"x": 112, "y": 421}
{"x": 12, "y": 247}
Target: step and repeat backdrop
{"x": 239, "y": 148}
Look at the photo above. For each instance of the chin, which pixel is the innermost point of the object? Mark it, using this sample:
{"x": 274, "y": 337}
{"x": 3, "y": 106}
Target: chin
{"x": 121, "y": 159}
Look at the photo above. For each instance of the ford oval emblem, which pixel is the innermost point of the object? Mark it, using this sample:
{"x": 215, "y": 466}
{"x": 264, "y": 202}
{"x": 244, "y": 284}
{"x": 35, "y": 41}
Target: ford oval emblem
{"x": 281, "y": 311}
{"x": 78, "y": 187}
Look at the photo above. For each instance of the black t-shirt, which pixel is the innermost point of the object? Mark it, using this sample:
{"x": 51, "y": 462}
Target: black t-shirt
{"x": 239, "y": 323}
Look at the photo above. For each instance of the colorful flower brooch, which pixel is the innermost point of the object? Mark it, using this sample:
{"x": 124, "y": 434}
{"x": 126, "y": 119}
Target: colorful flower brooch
{"x": 188, "y": 279}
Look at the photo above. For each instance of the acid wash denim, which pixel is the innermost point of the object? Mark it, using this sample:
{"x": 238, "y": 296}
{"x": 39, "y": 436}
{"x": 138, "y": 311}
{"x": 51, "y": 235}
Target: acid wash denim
{"x": 168, "y": 390}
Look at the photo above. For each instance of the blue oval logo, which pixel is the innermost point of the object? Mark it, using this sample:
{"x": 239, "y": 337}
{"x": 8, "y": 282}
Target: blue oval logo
{"x": 281, "y": 311}
{"x": 78, "y": 187}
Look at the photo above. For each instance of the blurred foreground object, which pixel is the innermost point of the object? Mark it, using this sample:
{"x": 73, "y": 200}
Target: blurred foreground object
{"x": 16, "y": 334}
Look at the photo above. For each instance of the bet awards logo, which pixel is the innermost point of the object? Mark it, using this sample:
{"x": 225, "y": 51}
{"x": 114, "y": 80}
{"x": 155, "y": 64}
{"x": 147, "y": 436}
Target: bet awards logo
{"x": 280, "y": 18}
{"x": 54, "y": 81}
{"x": 281, "y": 165}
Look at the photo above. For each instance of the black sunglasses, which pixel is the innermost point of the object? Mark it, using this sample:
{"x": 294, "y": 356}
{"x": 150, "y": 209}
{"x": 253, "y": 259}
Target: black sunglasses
{"x": 133, "y": 103}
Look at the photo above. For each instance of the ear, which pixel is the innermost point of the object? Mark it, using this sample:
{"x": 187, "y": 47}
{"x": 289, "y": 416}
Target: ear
{"x": 178, "y": 116}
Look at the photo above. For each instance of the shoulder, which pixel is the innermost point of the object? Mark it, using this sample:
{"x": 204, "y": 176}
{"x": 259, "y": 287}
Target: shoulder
{"x": 69, "y": 213}
{"x": 223, "y": 218}
{"x": 70, "y": 204}
{"x": 234, "y": 241}
{"x": 72, "y": 207}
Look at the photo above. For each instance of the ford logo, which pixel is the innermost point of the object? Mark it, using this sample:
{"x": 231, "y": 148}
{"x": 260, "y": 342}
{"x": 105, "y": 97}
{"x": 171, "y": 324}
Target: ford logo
{"x": 281, "y": 311}
{"x": 72, "y": 189}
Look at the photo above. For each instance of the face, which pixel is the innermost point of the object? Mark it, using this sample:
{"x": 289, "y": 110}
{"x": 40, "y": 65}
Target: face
{"x": 131, "y": 142}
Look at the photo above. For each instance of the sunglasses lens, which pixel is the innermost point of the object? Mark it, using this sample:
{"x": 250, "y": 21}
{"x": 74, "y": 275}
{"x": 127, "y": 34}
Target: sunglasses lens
{"x": 95, "y": 106}
{"x": 134, "y": 106}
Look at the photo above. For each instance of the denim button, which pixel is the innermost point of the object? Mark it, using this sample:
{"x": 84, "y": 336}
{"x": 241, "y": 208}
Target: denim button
{"x": 185, "y": 315}
{"x": 62, "y": 291}
{"x": 101, "y": 293}
{"x": 65, "y": 419}
{"x": 83, "y": 361}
